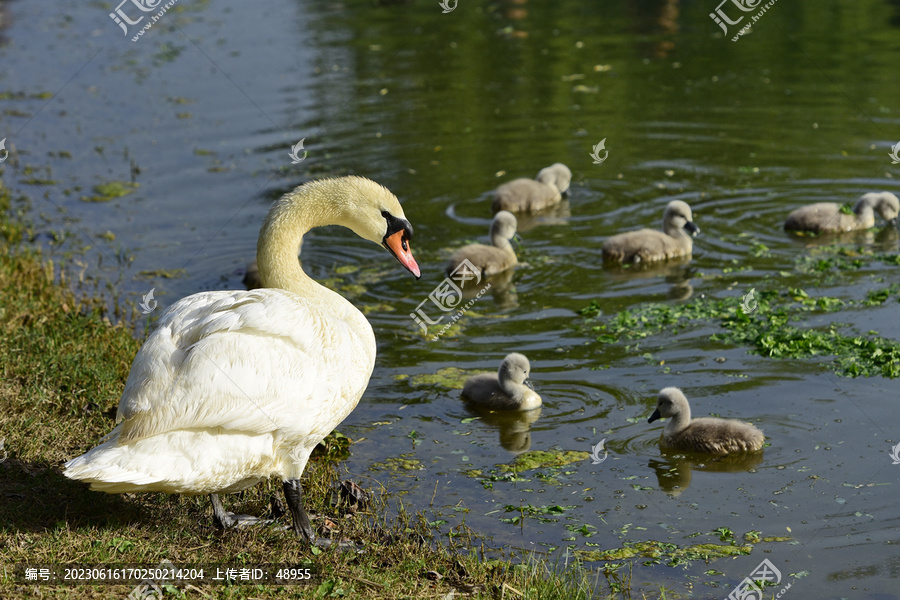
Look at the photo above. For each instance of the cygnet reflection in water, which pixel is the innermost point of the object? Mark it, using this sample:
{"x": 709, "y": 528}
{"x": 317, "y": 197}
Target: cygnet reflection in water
{"x": 514, "y": 427}
{"x": 674, "y": 472}
{"x": 676, "y": 271}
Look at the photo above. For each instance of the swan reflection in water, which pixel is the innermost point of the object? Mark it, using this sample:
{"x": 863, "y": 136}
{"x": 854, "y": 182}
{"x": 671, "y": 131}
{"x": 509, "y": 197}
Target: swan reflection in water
{"x": 674, "y": 470}
{"x": 513, "y": 427}
{"x": 675, "y": 271}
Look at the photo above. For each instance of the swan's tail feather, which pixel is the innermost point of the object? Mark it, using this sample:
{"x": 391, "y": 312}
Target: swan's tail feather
{"x": 103, "y": 468}
{"x": 179, "y": 462}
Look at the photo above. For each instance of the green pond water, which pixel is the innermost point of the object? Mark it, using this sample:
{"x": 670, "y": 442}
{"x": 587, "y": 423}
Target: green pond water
{"x": 202, "y": 111}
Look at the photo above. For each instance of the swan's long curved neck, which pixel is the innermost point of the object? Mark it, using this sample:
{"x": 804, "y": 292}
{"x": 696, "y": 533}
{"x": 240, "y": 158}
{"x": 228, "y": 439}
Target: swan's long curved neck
{"x": 509, "y": 387}
{"x": 316, "y": 204}
{"x": 513, "y": 389}
{"x": 500, "y": 241}
{"x": 865, "y": 210}
{"x": 680, "y": 420}
{"x": 673, "y": 230}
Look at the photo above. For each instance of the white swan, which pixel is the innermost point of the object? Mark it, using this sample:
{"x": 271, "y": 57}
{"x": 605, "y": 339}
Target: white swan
{"x": 233, "y": 387}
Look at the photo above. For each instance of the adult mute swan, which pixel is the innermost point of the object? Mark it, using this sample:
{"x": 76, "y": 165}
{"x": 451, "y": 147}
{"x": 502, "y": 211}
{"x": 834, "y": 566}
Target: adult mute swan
{"x": 826, "y": 217}
{"x": 234, "y": 387}
{"x": 530, "y": 195}
{"x": 649, "y": 245}
{"x": 707, "y": 434}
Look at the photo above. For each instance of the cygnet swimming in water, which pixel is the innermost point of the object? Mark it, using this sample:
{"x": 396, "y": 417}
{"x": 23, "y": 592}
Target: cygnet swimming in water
{"x": 649, "y": 245}
{"x": 707, "y": 434}
{"x": 827, "y": 217}
{"x": 530, "y": 195}
{"x": 493, "y": 259}
{"x": 505, "y": 389}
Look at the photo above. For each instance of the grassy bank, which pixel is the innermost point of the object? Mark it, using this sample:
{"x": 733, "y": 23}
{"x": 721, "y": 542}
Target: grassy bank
{"x": 64, "y": 366}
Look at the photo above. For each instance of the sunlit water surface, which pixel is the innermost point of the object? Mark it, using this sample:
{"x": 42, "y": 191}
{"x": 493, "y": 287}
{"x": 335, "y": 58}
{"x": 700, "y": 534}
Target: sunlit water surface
{"x": 441, "y": 108}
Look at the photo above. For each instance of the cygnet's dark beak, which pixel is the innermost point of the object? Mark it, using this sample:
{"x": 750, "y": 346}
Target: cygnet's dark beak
{"x": 691, "y": 228}
{"x": 893, "y": 222}
{"x": 654, "y": 416}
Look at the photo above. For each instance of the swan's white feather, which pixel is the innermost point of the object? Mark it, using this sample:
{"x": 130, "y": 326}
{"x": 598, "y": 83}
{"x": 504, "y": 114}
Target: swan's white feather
{"x": 231, "y": 388}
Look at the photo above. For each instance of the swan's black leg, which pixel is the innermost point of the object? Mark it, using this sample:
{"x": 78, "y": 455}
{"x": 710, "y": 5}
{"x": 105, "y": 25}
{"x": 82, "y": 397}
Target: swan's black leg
{"x": 225, "y": 520}
{"x": 222, "y": 519}
{"x": 293, "y": 492}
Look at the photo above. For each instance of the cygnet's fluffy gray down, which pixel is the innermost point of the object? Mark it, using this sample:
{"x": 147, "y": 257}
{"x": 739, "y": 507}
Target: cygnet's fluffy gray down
{"x": 530, "y": 195}
{"x": 649, "y": 245}
{"x": 707, "y": 434}
{"x": 827, "y": 217}
{"x": 505, "y": 389}
{"x": 490, "y": 260}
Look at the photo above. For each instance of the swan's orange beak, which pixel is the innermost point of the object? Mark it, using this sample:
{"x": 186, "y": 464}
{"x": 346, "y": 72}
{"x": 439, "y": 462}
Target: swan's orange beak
{"x": 398, "y": 245}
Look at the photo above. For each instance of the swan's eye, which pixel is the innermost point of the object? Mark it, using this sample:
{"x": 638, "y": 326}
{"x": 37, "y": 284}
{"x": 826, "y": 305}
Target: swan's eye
{"x": 405, "y": 245}
{"x": 395, "y": 224}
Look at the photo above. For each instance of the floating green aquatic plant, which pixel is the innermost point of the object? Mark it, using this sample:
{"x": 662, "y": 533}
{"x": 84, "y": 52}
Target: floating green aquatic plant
{"x": 449, "y": 377}
{"x": 544, "y": 514}
{"x": 768, "y": 330}
{"x": 539, "y": 459}
{"x": 399, "y": 464}
{"x": 157, "y": 273}
{"x": 662, "y": 551}
{"x": 105, "y": 192}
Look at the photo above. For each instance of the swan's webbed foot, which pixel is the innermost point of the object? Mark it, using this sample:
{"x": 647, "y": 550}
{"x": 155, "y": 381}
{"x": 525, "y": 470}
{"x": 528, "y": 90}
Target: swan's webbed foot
{"x": 293, "y": 493}
{"x": 226, "y": 520}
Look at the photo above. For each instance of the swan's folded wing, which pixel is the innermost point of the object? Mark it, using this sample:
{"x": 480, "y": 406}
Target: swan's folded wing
{"x": 259, "y": 361}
